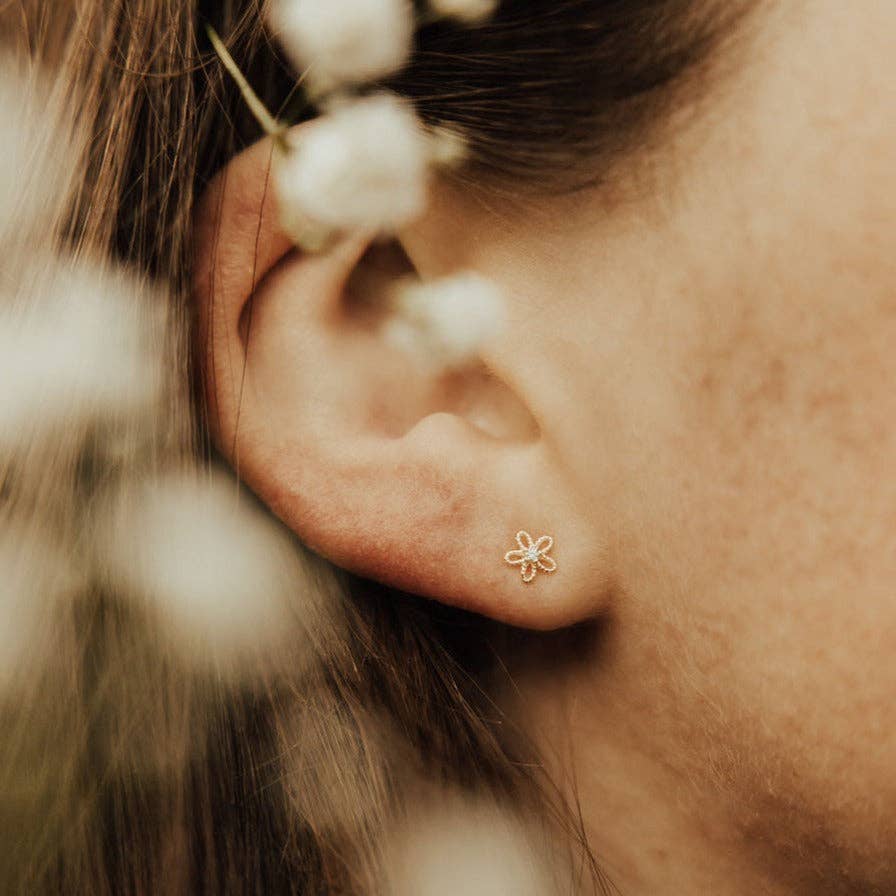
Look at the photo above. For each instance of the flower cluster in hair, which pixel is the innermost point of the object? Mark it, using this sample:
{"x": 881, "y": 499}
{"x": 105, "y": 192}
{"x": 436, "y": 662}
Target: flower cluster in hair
{"x": 363, "y": 164}
{"x": 97, "y": 498}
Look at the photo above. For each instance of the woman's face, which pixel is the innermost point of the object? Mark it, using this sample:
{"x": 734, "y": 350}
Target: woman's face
{"x": 721, "y": 356}
{"x": 711, "y": 354}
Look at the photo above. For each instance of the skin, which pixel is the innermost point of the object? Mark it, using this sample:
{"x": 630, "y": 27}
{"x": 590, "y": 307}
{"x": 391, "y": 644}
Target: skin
{"x": 705, "y": 366}
{"x": 736, "y": 731}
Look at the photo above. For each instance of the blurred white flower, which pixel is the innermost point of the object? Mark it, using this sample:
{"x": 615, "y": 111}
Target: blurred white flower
{"x": 446, "y": 322}
{"x": 467, "y": 11}
{"x": 464, "y": 847}
{"x": 80, "y": 348}
{"x": 220, "y": 573}
{"x": 448, "y": 147}
{"x": 344, "y": 42}
{"x": 361, "y": 167}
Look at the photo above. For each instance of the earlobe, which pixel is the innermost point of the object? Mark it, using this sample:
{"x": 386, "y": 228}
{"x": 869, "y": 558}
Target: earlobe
{"x": 371, "y": 460}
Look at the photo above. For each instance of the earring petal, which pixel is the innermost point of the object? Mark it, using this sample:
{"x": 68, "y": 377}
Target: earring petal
{"x": 532, "y": 555}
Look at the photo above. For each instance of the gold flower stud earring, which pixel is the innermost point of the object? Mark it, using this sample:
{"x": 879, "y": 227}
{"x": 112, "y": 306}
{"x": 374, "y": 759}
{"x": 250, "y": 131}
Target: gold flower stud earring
{"x": 532, "y": 555}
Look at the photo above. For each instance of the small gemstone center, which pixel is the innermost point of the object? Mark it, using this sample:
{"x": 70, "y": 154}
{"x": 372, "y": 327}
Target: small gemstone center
{"x": 532, "y": 555}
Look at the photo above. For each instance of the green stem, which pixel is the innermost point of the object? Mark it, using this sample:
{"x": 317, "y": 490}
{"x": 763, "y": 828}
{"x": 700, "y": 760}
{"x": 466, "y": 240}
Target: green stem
{"x": 269, "y": 124}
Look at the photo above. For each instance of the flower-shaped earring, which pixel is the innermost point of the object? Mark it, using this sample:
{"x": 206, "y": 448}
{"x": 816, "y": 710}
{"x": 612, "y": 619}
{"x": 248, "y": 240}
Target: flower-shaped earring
{"x": 532, "y": 555}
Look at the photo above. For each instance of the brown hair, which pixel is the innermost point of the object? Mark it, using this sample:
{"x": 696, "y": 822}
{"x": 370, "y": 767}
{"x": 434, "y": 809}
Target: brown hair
{"x": 123, "y": 771}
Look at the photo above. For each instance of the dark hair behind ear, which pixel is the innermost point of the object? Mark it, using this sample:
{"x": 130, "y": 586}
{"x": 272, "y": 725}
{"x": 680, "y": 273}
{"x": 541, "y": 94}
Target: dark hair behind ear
{"x": 553, "y": 92}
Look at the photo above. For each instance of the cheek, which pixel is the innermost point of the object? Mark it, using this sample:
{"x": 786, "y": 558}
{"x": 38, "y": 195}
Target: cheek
{"x": 760, "y": 518}
{"x": 758, "y": 531}
{"x": 761, "y": 524}
{"x": 785, "y": 389}
{"x": 793, "y": 523}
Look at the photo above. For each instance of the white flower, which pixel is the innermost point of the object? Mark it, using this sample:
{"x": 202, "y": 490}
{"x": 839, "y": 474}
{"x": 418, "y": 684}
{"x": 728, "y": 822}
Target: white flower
{"x": 343, "y": 42}
{"x": 446, "y": 321}
{"x": 361, "y": 167}
{"x": 467, "y": 11}
{"x": 220, "y": 572}
{"x": 532, "y": 555}
{"x": 460, "y": 846}
{"x": 448, "y": 147}
{"x": 79, "y": 349}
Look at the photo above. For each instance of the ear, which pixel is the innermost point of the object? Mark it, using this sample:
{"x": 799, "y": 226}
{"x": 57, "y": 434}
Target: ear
{"x": 438, "y": 484}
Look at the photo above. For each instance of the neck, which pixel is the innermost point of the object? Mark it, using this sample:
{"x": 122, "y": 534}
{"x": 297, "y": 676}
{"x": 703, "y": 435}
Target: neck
{"x": 657, "y": 806}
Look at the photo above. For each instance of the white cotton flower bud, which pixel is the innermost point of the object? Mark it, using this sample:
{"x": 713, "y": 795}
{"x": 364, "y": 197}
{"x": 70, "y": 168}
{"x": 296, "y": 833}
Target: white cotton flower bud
{"x": 464, "y": 847}
{"x": 345, "y": 42}
{"x": 467, "y": 11}
{"x": 362, "y": 167}
{"x": 446, "y": 322}
{"x": 76, "y": 345}
{"x": 218, "y": 571}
